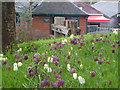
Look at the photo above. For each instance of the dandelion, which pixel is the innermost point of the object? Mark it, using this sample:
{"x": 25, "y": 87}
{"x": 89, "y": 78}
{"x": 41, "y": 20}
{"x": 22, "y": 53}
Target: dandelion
{"x": 49, "y": 69}
{"x": 81, "y": 80}
{"x": 45, "y": 66}
{"x": 75, "y": 75}
{"x": 19, "y": 64}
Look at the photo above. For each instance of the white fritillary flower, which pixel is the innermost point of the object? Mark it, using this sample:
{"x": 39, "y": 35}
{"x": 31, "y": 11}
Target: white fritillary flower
{"x": 71, "y": 36}
{"x": 45, "y": 66}
{"x": 75, "y": 75}
{"x": 15, "y": 68}
{"x": 19, "y": 64}
{"x": 81, "y": 80}
{"x": 49, "y": 69}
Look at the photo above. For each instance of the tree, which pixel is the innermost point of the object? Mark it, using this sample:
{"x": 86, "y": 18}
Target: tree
{"x": 8, "y": 25}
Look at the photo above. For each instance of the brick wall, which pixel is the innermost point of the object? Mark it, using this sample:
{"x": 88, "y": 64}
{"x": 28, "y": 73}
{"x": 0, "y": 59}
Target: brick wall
{"x": 39, "y": 24}
{"x": 83, "y": 24}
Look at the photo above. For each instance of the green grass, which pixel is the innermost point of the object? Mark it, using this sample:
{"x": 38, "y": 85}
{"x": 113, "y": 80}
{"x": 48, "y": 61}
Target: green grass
{"x": 104, "y": 72}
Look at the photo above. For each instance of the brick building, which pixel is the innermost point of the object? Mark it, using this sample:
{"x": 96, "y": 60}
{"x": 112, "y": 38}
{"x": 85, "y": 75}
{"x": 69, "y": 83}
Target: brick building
{"x": 44, "y": 14}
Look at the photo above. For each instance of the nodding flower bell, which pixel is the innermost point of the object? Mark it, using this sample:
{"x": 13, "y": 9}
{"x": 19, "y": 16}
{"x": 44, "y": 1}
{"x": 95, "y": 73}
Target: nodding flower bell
{"x": 75, "y": 75}
{"x": 45, "y": 66}
{"x": 49, "y": 69}
{"x": 19, "y": 64}
{"x": 15, "y": 68}
{"x": 81, "y": 80}
{"x": 68, "y": 67}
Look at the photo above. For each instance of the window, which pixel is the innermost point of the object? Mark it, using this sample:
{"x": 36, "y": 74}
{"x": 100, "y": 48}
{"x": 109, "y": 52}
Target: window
{"x": 46, "y": 20}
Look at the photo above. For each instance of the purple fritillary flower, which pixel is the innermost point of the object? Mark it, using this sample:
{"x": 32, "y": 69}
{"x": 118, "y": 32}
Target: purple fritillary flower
{"x": 119, "y": 45}
{"x": 54, "y": 71}
{"x": 97, "y": 40}
{"x": 35, "y": 48}
{"x": 78, "y": 61}
{"x": 54, "y": 42}
{"x": 101, "y": 35}
{"x": 48, "y": 77}
{"x": 82, "y": 44}
{"x": 108, "y": 62}
{"x": 79, "y": 47}
{"x": 44, "y": 62}
{"x": 100, "y": 55}
{"x": 56, "y": 63}
{"x": 31, "y": 74}
{"x": 57, "y": 76}
{"x": 68, "y": 57}
{"x": 26, "y": 57}
{"x": 108, "y": 41}
{"x": 117, "y": 42}
{"x": 92, "y": 40}
{"x": 46, "y": 83}
{"x": 113, "y": 50}
{"x": 55, "y": 58}
{"x": 4, "y": 62}
{"x": 73, "y": 70}
{"x": 9, "y": 68}
{"x": 20, "y": 60}
{"x": 54, "y": 85}
{"x": 113, "y": 45}
{"x": 93, "y": 74}
{"x": 100, "y": 61}
{"x": 42, "y": 84}
{"x": 110, "y": 82}
{"x": 92, "y": 47}
{"x": 60, "y": 83}
{"x": 106, "y": 36}
{"x": 95, "y": 58}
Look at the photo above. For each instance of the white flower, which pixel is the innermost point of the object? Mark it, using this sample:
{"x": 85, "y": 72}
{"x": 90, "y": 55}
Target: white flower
{"x": 20, "y": 49}
{"x": 101, "y": 38}
{"x": 4, "y": 59}
{"x": 71, "y": 48}
{"x": 64, "y": 41}
{"x": 69, "y": 53}
{"x": 49, "y": 59}
{"x": 68, "y": 65}
{"x": 68, "y": 68}
{"x": 71, "y": 36}
{"x": 1, "y": 55}
{"x": 115, "y": 32}
{"x": 81, "y": 66}
{"x": 75, "y": 75}
{"x": 49, "y": 69}
{"x": 19, "y": 64}
{"x": 92, "y": 43}
{"x": 45, "y": 66}
{"x": 81, "y": 80}
{"x": 15, "y": 68}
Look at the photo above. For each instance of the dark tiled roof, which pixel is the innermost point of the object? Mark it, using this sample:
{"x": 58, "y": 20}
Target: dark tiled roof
{"x": 87, "y": 8}
{"x": 57, "y": 8}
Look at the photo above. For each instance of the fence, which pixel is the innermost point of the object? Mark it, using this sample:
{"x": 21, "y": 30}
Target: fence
{"x": 96, "y": 29}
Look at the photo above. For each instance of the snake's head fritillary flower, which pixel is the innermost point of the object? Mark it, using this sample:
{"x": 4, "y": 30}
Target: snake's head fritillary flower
{"x": 93, "y": 74}
{"x": 42, "y": 84}
{"x": 73, "y": 70}
{"x": 110, "y": 82}
{"x": 26, "y": 57}
{"x": 46, "y": 66}
{"x": 54, "y": 71}
{"x": 60, "y": 83}
{"x": 100, "y": 54}
{"x": 92, "y": 47}
{"x": 113, "y": 50}
{"x": 117, "y": 42}
{"x": 56, "y": 63}
{"x": 108, "y": 62}
{"x": 100, "y": 61}
{"x": 81, "y": 80}
{"x": 4, "y": 62}
{"x": 49, "y": 69}
{"x": 95, "y": 58}
{"x": 9, "y": 68}
{"x": 78, "y": 61}
{"x": 57, "y": 76}
{"x": 75, "y": 75}
{"x": 68, "y": 57}
{"x": 113, "y": 45}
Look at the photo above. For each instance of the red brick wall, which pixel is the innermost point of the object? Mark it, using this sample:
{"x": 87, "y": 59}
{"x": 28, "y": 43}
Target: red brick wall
{"x": 83, "y": 24}
{"x": 39, "y": 24}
